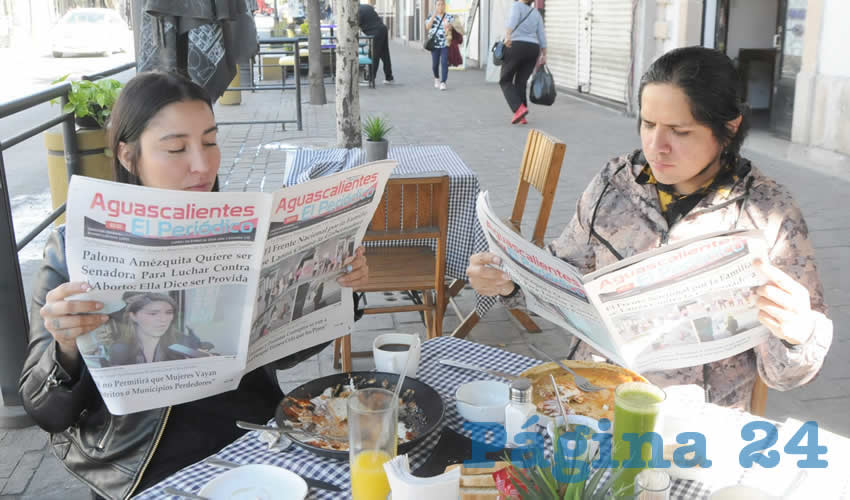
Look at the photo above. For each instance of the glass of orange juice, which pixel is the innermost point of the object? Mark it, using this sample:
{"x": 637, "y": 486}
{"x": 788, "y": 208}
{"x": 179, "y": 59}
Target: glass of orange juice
{"x": 372, "y": 440}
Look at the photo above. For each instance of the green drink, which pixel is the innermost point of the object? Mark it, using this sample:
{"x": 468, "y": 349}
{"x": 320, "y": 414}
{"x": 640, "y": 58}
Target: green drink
{"x": 636, "y": 406}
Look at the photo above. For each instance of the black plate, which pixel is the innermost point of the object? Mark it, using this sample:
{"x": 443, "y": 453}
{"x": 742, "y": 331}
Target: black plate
{"x": 425, "y": 396}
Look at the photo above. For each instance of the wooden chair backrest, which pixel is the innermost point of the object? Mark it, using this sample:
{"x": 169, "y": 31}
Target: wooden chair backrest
{"x": 758, "y": 401}
{"x": 541, "y": 168}
{"x": 412, "y": 208}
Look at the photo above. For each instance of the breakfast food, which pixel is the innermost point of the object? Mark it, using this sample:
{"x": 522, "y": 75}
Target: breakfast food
{"x": 327, "y": 415}
{"x": 595, "y": 405}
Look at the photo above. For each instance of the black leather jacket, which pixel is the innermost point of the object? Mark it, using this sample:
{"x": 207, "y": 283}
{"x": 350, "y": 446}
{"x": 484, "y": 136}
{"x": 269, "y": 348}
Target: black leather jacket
{"x": 107, "y": 452}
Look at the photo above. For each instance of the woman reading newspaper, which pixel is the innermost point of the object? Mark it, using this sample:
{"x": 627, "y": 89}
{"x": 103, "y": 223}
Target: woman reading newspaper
{"x": 689, "y": 179}
{"x": 163, "y": 134}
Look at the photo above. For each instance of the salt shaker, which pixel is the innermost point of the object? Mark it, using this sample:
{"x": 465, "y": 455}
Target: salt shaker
{"x": 518, "y": 410}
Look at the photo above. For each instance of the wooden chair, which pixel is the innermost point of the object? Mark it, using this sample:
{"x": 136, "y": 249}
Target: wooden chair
{"x": 541, "y": 169}
{"x": 413, "y": 210}
{"x": 758, "y": 400}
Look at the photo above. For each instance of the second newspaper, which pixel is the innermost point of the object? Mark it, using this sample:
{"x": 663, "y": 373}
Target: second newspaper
{"x": 685, "y": 304}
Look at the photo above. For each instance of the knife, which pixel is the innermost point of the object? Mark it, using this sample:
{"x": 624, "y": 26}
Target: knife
{"x": 312, "y": 483}
{"x": 466, "y": 366}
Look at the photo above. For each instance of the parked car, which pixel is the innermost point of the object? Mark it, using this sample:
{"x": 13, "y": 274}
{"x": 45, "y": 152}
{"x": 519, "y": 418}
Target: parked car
{"x": 90, "y": 31}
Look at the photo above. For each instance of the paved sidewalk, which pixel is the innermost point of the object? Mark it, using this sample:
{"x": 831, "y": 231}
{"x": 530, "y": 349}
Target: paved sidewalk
{"x": 473, "y": 119}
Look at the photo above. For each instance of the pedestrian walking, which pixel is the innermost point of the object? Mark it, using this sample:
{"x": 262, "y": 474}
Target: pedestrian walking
{"x": 371, "y": 24}
{"x": 525, "y": 50}
{"x": 439, "y": 27}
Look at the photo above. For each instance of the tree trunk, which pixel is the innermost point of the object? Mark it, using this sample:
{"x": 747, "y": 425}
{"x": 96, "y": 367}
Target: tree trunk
{"x": 314, "y": 47}
{"x": 347, "y": 84}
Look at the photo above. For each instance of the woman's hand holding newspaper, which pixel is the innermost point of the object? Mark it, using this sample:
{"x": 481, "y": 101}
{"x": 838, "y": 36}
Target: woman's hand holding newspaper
{"x": 784, "y": 305}
{"x": 357, "y": 274}
{"x": 486, "y": 277}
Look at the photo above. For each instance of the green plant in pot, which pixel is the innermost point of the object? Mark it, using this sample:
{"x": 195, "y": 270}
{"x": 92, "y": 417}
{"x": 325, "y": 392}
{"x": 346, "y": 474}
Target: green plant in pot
{"x": 376, "y": 145}
{"x": 91, "y": 101}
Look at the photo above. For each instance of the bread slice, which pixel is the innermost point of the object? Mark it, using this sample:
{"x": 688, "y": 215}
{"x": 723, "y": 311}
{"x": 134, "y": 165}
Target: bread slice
{"x": 477, "y": 483}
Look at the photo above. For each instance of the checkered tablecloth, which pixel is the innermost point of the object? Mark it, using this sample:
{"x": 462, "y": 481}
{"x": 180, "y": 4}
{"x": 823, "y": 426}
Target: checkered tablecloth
{"x": 465, "y": 235}
{"x": 444, "y": 379}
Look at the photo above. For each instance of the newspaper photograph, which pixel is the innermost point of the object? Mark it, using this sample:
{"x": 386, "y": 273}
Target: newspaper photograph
{"x": 685, "y": 304}
{"x": 201, "y": 288}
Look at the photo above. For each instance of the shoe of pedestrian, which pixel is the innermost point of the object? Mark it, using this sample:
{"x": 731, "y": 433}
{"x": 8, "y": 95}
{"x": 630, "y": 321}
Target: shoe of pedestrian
{"x": 389, "y": 82}
{"x": 520, "y": 114}
{"x": 523, "y": 121}
{"x": 443, "y": 86}
{"x": 436, "y": 83}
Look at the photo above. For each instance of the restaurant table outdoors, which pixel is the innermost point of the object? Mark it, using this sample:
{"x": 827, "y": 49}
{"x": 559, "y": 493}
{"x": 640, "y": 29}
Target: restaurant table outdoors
{"x": 465, "y": 235}
{"x": 445, "y": 380}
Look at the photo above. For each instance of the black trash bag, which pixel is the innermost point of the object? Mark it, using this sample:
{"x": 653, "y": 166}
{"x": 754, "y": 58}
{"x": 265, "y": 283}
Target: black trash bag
{"x": 543, "y": 87}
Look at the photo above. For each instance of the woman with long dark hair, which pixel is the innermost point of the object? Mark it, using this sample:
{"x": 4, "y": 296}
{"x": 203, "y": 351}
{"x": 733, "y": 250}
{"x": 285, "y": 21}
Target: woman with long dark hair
{"x": 525, "y": 50}
{"x": 163, "y": 135}
{"x": 689, "y": 179}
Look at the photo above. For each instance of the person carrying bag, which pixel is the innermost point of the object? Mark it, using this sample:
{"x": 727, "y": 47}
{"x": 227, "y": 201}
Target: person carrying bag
{"x": 439, "y": 28}
{"x": 525, "y": 50}
{"x": 499, "y": 47}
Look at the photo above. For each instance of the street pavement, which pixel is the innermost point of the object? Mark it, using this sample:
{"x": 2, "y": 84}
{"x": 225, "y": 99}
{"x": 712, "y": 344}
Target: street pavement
{"x": 472, "y": 117}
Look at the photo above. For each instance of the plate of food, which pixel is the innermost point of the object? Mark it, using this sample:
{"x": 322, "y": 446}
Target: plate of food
{"x": 320, "y": 408}
{"x": 596, "y": 405}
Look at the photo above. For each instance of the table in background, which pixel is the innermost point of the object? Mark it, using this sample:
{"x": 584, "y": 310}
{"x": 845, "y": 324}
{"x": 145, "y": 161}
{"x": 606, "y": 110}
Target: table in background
{"x": 465, "y": 235}
{"x": 444, "y": 379}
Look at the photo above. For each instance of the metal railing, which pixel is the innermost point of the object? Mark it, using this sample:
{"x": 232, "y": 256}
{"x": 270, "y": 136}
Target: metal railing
{"x": 13, "y": 308}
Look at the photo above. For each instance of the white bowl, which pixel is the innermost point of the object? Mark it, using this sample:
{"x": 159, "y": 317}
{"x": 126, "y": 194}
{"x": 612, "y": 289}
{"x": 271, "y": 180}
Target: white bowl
{"x": 591, "y": 423}
{"x": 256, "y": 482}
{"x": 739, "y": 492}
{"x": 482, "y": 401}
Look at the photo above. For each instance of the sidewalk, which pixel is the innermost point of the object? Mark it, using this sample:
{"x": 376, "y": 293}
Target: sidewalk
{"x": 473, "y": 119}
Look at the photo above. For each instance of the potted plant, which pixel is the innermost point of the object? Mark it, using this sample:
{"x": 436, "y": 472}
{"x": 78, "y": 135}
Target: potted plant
{"x": 376, "y": 130}
{"x": 91, "y": 101}
{"x": 542, "y": 480}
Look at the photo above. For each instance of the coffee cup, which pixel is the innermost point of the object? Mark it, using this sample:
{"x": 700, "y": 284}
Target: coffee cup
{"x": 391, "y": 351}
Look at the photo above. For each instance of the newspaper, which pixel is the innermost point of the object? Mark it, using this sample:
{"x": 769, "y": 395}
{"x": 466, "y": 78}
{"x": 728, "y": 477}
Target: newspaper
{"x": 202, "y": 288}
{"x": 685, "y": 304}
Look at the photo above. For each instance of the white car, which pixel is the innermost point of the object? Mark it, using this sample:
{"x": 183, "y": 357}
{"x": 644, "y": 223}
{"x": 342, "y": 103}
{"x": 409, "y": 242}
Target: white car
{"x": 90, "y": 31}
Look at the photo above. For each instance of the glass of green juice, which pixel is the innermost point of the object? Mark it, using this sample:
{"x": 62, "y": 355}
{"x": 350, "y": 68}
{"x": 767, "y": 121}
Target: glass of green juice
{"x": 636, "y": 408}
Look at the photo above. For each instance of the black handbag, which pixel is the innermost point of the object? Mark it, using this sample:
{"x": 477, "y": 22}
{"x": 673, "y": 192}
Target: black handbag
{"x": 543, "y": 87}
{"x": 498, "y": 48}
{"x": 432, "y": 40}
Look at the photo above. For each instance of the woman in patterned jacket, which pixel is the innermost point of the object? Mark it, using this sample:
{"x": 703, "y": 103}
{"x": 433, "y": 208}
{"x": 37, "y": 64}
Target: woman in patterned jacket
{"x": 689, "y": 179}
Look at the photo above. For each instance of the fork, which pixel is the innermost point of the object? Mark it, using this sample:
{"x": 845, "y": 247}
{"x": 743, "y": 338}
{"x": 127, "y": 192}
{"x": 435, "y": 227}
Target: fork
{"x": 582, "y": 383}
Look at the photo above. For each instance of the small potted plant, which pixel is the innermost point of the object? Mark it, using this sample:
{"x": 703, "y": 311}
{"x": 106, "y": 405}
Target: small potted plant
{"x": 91, "y": 101}
{"x": 376, "y": 130}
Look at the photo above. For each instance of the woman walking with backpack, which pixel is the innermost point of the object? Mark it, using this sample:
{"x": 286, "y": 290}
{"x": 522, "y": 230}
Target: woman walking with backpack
{"x": 525, "y": 50}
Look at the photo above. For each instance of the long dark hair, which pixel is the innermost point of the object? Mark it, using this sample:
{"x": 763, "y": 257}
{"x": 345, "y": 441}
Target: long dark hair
{"x": 136, "y": 303}
{"x": 710, "y": 81}
{"x": 140, "y": 100}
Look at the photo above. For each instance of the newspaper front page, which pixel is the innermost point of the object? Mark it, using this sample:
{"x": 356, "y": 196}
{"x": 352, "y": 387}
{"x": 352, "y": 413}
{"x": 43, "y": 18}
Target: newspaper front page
{"x": 201, "y": 288}
{"x": 681, "y": 305}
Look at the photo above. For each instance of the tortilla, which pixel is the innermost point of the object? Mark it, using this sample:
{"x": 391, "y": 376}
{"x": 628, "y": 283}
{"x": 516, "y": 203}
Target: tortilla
{"x": 595, "y": 405}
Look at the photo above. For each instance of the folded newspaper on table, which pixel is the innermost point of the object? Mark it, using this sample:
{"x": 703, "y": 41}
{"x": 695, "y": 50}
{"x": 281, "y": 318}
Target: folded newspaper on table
{"x": 685, "y": 304}
{"x": 202, "y": 288}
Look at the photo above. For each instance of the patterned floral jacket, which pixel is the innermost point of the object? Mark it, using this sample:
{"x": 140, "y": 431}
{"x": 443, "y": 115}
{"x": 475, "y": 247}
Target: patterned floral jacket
{"x": 628, "y": 218}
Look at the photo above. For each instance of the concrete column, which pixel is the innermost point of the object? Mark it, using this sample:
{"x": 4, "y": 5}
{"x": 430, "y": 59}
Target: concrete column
{"x": 804, "y": 91}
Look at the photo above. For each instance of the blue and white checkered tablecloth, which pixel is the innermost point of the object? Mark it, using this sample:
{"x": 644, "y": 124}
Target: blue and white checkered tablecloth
{"x": 465, "y": 235}
{"x": 444, "y": 379}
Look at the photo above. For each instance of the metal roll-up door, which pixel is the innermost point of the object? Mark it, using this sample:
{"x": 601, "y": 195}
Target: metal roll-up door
{"x": 610, "y": 48}
{"x": 561, "y": 30}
